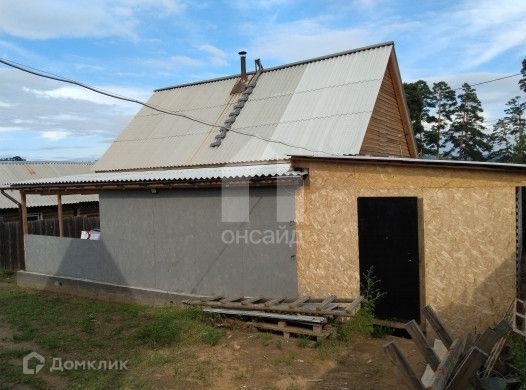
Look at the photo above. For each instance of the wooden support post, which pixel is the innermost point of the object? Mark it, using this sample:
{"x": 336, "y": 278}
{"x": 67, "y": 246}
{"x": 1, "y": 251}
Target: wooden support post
{"x": 404, "y": 367}
{"x": 437, "y": 326}
{"x": 23, "y": 208}
{"x": 467, "y": 369}
{"x": 24, "y": 229}
{"x": 60, "y": 216}
{"x": 21, "y": 249}
{"x": 446, "y": 367}
{"x": 422, "y": 344}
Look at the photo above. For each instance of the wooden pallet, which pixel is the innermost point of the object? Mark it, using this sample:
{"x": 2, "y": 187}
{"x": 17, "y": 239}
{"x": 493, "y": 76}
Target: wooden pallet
{"x": 330, "y": 306}
{"x": 287, "y": 329}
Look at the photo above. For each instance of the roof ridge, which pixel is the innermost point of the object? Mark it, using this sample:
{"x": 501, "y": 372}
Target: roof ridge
{"x": 279, "y": 67}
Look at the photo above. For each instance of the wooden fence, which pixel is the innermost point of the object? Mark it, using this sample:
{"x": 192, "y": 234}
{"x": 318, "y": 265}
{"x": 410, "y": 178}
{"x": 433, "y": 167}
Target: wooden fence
{"x": 10, "y": 236}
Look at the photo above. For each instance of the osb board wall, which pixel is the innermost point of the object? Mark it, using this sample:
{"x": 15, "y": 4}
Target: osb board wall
{"x": 468, "y": 246}
{"x": 385, "y": 134}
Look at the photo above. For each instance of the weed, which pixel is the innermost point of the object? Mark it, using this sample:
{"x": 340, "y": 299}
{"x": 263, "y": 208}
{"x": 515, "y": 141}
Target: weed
{"x": 212, "y": 335}
{"x": 518, "y": 357}
{"x": 361, "y": 322}
{"x": 240, "y": 376}
{"x": 266, "y": 339}
{"x": 87, "y": 324}
{"x": 303, "y": 341}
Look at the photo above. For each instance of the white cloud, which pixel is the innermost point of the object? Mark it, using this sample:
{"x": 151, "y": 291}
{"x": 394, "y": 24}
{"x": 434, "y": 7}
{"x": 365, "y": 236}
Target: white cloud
{"x": 307, "y": 38}
{"x": 218, "y": 56}
{"x": 70, "y": 92}
{"x": 5, "y": 105}
{"x": 9, "y": 129}
{"x": 174, "y": 62}
{"x": 250, "y": 5}
{"x": 55, "y": 135}
{"x": 75, "y": 19}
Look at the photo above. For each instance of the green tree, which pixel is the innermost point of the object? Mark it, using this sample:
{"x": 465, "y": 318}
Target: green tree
{"x": 502, "y": 141}
{"x": 417, "y": 96}
{"x": 515, "y": 117}
{"x": 467, "y": 135}
{"x": 522, "y": 82}
{"x": 443, "y": 101}
{"x": 14, "y": 158}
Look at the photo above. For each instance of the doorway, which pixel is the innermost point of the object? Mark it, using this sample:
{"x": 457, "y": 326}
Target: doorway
{"x": 388, "y": 242}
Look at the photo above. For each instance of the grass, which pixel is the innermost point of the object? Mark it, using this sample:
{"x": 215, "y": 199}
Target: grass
{"x": 518, "y": 357}
{"x": 11, "y": 374}
{"x": 83, "y": 329}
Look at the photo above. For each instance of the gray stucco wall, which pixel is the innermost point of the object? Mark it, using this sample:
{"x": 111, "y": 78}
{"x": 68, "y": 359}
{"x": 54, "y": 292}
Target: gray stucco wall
{"x": 176, "y": 241}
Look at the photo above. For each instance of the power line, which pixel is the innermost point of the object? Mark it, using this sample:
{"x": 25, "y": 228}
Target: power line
{"x": 491, "y": 81}
{"x": 47, "y": 75}
{"x": 40, "y": 73}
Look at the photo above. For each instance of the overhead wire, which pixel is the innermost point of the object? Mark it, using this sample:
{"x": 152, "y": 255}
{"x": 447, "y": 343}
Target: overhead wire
{"x": 47, "y": 75}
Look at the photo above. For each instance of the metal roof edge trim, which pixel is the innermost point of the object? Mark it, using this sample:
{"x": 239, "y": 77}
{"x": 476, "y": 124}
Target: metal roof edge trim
{"x": 47, "y": 162}
{"x": 134, "y": 177}
{"x": 417, "y": 161}
{"x": 284, "y": 66}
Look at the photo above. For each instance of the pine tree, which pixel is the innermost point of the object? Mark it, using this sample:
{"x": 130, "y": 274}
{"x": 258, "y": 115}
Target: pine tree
{"x": 443, "y": 101}
{"x": 502, "y": 141}
{"x": 515, "y": 117}
{"x": 417, "y": 96}
{"x": 466, "y": 135}
{"x": 522, "y": 82}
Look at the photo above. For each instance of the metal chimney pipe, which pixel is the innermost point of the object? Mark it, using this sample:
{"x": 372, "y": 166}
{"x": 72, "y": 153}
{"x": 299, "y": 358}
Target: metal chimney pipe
{"x": 243, "y": 58}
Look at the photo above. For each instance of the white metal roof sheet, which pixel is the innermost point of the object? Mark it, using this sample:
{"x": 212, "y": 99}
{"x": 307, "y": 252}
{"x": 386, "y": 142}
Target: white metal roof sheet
{"x": 189, "y": 174}
{"x": 320, "y": 107}
{"x": 14, "y": 171}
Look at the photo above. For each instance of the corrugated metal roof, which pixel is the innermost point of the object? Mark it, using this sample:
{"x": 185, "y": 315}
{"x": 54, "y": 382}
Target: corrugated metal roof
{"x": 321, "y": 107}
{"x": 426, "y": 162}
{"x": 14, "y": 171}
{"x": 189, "y": 174}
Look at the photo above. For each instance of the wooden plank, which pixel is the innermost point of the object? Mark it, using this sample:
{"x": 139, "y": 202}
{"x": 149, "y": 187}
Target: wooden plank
{"x": 232, "y": 299}
{"x": 281, "y": 308}
{"x": 262, "y": 314}
{"x": 251, "y": 300}
{"x": 275, "y": 301}
{"x": 469, "y": 366}
{"x": 422, "y": 344}
{"x": 326, "y": 302}
{"x": 446, "y": 367}
{"x": 437, "y": 326}
{"x": 287, "y": 329}
{"x": 299, "y": 301}
{"x": 354, "y": 304}
{"x": 60, "y": 216}
{"x": 404, "y": 367}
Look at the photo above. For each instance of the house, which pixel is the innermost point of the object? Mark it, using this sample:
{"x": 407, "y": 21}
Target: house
{"x": 294, "y": 180}
{"x": 42, "y": 207}
{"x": 39, "y": 208}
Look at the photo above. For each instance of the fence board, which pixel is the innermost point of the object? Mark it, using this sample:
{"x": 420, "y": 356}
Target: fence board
{"x": 11, "y": 241}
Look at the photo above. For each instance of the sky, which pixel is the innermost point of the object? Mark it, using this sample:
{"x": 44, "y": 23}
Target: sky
{"x": 132, "y": 47}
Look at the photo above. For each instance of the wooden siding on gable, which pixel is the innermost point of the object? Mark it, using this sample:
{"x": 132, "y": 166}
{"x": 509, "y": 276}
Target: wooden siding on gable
{"x": 385, "y": 134}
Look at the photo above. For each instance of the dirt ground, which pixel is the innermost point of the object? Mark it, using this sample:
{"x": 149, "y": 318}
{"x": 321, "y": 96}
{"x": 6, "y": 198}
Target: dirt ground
{"x": 247, "y": 359}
